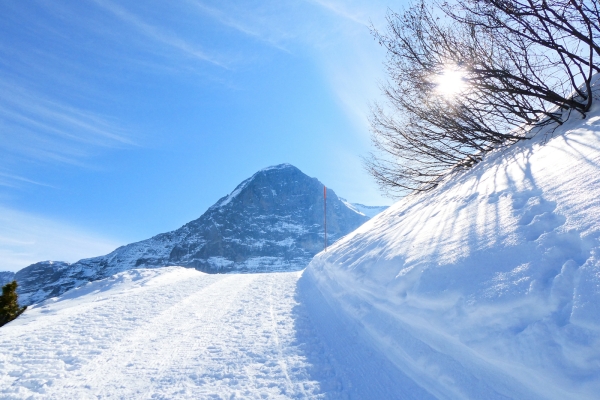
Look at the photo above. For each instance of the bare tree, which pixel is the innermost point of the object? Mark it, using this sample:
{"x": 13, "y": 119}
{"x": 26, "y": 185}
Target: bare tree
{"x": 519, "y": 72}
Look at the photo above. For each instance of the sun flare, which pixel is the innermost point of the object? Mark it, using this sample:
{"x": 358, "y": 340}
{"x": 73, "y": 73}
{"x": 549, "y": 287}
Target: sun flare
{"x": 450, "y": 82}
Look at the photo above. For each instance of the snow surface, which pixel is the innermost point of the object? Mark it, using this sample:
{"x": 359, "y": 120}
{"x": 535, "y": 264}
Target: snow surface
{"x": 178, "y": 333}
{"x": 488, "y": 286}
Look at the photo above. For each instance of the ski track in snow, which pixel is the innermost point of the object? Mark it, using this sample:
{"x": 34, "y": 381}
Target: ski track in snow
{"x": 178, "y": 333}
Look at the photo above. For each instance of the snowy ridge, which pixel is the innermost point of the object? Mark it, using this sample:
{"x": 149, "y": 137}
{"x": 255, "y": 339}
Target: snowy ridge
{"x": 368, "y": 211}
{"x": 488, "y": 286}
{"x": 227, "y": 199}
{"x": 278, "y": 166}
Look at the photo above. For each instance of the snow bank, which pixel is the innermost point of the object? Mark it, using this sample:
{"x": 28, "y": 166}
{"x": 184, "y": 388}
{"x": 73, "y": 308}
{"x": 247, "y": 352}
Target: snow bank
{"x": 488, "y": 286}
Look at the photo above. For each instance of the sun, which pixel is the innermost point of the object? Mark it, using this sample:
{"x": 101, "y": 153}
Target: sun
{"x": 450, "y": 82}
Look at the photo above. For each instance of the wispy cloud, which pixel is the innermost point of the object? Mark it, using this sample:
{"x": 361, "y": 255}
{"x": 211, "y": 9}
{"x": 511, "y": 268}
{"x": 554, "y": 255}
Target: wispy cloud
{"x": 340, "y": 10}
{"x": 350, "y": 60}
{"x": 27, "y": 238}
{"x": 35, "y": 127}
{"x": 34, "y": 110}
{"x": 160, "y": 35}
{"x": 250, "y": 29}
{"x": 12, "y": 180}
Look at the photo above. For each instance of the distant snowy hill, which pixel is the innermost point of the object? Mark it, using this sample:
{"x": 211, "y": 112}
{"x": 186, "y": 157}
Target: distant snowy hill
{"x": 487, "y": 287}
{"x": 369, "y": 211}
{"x": 6, "y": 277}
{"x": 272, "y": 221}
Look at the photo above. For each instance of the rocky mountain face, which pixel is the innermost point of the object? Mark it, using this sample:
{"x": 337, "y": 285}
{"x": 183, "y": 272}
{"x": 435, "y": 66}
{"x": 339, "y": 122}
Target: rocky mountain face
{"x": 272, "y": 221}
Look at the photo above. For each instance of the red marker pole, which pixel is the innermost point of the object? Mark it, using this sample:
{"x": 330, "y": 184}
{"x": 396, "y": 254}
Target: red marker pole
{"x": 325, "y": 213}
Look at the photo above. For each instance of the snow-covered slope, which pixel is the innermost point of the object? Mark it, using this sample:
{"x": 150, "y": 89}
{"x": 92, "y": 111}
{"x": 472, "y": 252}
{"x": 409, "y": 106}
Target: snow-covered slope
{"x": 488, "y": 286}
{"x": 272, "y": 221}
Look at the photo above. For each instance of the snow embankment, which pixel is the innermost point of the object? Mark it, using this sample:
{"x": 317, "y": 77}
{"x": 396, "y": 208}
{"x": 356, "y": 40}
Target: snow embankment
{"x": 488, "y": 286}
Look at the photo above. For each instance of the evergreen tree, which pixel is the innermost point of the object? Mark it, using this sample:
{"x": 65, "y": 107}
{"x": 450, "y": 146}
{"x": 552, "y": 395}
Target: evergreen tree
{"x": 9, "y": 306}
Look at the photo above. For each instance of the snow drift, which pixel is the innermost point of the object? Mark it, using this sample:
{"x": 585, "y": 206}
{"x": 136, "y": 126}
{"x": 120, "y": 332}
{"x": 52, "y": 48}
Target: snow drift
{"x": 488, "y": 286}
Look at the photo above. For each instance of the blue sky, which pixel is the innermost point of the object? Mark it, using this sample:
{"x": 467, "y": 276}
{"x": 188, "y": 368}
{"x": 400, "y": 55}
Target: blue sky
{"x": 122, "y": 120}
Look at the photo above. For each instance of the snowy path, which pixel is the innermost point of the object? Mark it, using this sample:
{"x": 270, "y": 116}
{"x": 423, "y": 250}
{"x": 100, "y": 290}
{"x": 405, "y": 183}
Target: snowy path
{"x": 179, "y": 333}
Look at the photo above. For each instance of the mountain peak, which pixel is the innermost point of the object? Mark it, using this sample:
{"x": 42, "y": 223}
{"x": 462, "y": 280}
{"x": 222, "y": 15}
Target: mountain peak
{"x": 278, "y": 167}
{"x": 272, "y": 221}
{"x": 270, "y": 184}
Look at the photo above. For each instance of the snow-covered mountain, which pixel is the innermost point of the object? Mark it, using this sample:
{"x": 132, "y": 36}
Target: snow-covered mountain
{"x": 272, "y": 221}
{"x": 369, "y": 211}
{"x": 6, "y": 277}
